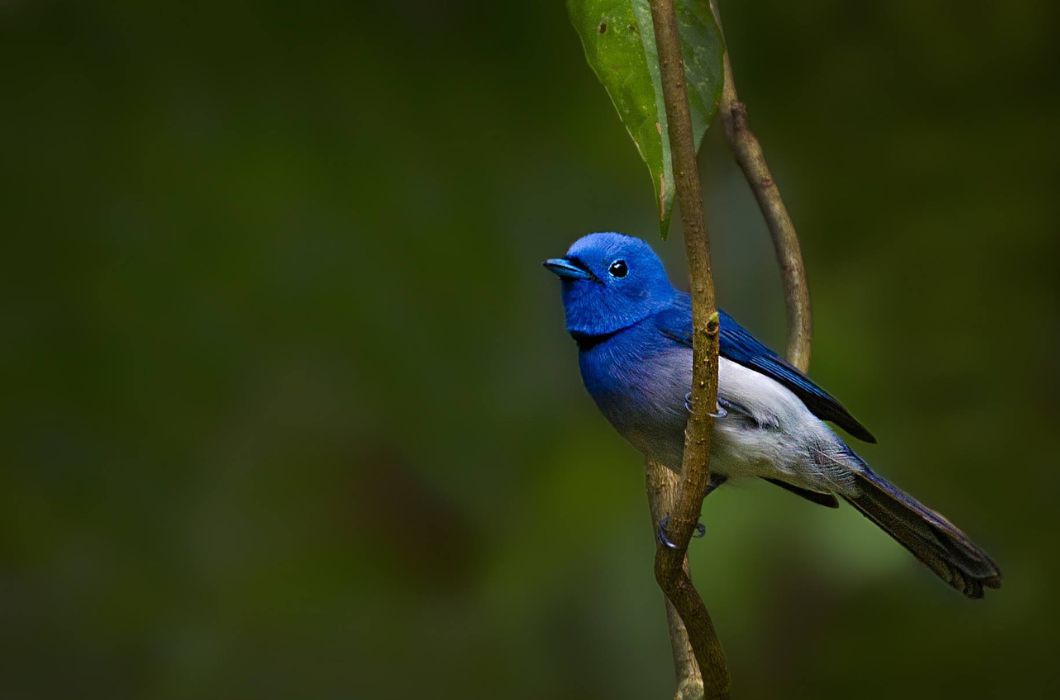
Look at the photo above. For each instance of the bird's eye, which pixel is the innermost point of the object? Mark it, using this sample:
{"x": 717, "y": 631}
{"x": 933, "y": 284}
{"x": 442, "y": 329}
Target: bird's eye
{"x": 618, "y": 269}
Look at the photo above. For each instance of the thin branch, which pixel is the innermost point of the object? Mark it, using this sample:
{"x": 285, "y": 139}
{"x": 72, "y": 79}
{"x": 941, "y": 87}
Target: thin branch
{"x": 695, "y": 470}
{"x": 752, "y": 160}
{"x": 661, "y": 483}
{"x": 691, "y": 628}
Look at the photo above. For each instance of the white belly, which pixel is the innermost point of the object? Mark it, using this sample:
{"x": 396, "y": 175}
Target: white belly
{"x": 781, "y": 438}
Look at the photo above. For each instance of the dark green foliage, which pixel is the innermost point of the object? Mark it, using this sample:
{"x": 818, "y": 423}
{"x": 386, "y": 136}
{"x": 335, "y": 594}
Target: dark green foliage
{"x": 287, "y": 405}
{"x": 619, "y": 45}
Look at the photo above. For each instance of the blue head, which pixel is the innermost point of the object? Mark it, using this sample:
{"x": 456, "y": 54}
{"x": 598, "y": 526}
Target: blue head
{"x": 610, "y": 281}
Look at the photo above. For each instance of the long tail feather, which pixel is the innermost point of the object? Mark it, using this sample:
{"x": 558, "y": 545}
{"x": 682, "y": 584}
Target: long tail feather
{"x": 930, "y": 537}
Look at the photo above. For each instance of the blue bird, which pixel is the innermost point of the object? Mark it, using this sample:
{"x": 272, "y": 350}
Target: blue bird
{"x": 634, "y": 337}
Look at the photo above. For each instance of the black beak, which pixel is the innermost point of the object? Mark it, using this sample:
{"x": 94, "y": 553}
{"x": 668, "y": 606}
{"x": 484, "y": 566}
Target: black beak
{"x": 563, "y": 267}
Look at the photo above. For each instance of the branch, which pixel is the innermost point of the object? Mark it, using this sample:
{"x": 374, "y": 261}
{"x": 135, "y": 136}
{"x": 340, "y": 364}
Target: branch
{"x": 661, "y": 484}
{"x": 695, "y": 471}
{"x": 752, "y": 161}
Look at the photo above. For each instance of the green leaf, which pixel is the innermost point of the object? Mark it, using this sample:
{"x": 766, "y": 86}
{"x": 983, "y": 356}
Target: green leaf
{"x": 619, "y": 44}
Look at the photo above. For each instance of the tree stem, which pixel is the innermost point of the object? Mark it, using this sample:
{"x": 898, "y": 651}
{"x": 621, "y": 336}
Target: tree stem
{"x": 670, "y": 571}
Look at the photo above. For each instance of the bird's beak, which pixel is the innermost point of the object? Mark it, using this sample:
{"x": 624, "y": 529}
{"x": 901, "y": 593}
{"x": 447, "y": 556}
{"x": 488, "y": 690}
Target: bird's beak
{"x": 566, "y": 269}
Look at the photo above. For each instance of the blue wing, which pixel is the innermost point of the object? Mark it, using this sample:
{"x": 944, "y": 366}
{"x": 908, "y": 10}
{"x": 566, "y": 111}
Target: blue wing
{"x": 738, "y": 345}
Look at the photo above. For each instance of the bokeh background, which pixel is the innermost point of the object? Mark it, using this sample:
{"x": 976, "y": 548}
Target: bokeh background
{"x": 288, "y": 408}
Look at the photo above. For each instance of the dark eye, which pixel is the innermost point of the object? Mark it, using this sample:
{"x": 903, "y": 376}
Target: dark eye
{"x": 618, "y": 269}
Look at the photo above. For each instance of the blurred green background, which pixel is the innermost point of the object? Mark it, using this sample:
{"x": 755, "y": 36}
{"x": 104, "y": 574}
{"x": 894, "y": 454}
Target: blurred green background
{"x": 289, "y": 411}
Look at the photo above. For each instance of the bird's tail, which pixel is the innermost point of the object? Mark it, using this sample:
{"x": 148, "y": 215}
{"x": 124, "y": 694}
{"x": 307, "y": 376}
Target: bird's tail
{"x": 930, "y": 537}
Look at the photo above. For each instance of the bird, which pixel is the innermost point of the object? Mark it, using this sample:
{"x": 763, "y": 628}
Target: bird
{"x": 633, "y": 330}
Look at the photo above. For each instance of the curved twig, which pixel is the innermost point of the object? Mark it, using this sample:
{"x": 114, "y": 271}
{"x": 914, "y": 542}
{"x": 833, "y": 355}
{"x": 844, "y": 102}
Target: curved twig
{"x": 752, "y": 160}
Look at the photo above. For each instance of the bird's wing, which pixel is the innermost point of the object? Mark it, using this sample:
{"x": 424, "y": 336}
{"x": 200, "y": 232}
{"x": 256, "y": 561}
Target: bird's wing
{"x": 738, "y": 345}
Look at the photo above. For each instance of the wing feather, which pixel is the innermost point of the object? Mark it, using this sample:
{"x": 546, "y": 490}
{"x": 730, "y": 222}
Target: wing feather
{"x": 738, "y": 345}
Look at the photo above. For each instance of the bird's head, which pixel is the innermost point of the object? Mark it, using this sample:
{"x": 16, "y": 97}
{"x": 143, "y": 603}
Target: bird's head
{"x": 610, "y": 281}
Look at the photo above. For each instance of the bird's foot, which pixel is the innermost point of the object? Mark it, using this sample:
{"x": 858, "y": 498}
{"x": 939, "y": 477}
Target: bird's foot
{"x": 700, "y": 530}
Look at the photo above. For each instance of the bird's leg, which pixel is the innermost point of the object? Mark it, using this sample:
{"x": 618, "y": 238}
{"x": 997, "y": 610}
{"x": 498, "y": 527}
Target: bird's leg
{"x": 716, "y": 480}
